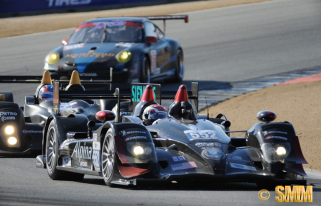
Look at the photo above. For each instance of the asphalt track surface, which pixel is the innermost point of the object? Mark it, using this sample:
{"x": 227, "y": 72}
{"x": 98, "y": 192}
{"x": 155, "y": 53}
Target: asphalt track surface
{"x": 221, "y": 46}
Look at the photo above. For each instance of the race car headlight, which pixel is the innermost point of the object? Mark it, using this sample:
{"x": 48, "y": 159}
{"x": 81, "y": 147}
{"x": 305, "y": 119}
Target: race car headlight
{"x": 12, "y": 141}
{"x": 275, "y": 152}
{"x": 139, "y": 150}
{"x": 123, "y": 56}
{"x": 280, "y": 150}
{"x": 52, "y": 58}
{"x": 9, "y": 130}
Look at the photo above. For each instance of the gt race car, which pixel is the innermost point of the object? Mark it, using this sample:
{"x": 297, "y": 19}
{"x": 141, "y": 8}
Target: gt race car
{"x": 21, "y": 127}
{"x": 182, "y": 147}
{"x": 122, "y": 50}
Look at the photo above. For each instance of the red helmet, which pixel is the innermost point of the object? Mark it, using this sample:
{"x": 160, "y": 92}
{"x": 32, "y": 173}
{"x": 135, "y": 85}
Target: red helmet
{"x": 152, "y": 113}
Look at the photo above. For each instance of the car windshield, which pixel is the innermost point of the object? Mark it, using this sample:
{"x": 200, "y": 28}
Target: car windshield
{"x": 107, "y": 31}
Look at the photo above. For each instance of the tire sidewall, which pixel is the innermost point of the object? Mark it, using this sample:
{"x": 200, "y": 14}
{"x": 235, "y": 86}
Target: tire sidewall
{"x": 53, "y": 174}
{"x": 109, "y": 135}
{"x": 145, "y": 71}
{"x": 179, "y": 72}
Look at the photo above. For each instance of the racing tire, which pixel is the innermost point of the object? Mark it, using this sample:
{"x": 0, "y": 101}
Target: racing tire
{"x": 179, "y": 70}
{"x": 144, "y": 76}
{"x": 52, "y": 148}
{"x": 108, "y": 158}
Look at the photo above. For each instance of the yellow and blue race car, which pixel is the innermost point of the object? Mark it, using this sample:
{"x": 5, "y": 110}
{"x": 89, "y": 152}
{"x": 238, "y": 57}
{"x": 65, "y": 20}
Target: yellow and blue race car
{"x": 123, "y": 50}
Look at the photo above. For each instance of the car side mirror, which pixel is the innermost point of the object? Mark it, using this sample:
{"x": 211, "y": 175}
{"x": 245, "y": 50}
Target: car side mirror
{"x": 151, "y": 39}
{"x": 64, "y": 41}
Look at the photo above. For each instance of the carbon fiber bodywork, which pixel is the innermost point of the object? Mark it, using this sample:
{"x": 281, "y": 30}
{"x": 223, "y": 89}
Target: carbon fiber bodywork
{"x": 127, "y": 152}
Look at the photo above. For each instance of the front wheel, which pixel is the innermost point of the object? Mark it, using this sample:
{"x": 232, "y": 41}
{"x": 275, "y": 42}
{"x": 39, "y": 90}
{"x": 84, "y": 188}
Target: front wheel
{"x": 144, "y": 71}
{"x": 52, "y": 152}
{"x": 108, "y": 158}
{"x": 179, "y": 70}
{"x": 52, "y": 148}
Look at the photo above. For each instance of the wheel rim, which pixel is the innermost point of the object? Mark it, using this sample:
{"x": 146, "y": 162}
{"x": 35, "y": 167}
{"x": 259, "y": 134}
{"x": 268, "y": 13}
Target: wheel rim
{"x": 51, "y": 150}
{"x": 108, "y": 158}
{"x": 146, "y": 72}
{"x": 180, "y": 66}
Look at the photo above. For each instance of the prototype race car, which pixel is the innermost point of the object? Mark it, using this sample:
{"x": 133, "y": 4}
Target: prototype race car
{"x": 21, "y": 127}
{"x": 122, "y": 50}
{"x": 179, "y": 147}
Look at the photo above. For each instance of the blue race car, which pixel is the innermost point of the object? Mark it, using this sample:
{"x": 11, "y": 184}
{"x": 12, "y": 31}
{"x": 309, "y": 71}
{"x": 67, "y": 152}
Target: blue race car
{"x": 123, "y": 50}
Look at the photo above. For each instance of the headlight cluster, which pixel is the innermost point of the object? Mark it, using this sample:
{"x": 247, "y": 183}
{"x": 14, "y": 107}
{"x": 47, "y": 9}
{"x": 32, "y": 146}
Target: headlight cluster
{"x": 9, "y": 129}
{"x": 123, "y": 56}
{"x": 275, "y": 152}
{"x": 53, "y": 58}
{"x": 139, "y": 150}
{"x": 9, "y": 135}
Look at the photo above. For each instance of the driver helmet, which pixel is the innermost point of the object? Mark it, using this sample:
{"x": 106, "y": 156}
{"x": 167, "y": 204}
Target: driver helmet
{"x": 153, "y": 113}
{"x": 45, "y": 93}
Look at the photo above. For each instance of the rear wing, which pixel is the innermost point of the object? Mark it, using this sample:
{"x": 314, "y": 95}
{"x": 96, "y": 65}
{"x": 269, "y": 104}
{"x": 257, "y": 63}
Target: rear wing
{"x": 133, "y": 95}
{"x": 137, "y": 91}
{"x": 86, "y": 95}
{"x": 168, "y": 17}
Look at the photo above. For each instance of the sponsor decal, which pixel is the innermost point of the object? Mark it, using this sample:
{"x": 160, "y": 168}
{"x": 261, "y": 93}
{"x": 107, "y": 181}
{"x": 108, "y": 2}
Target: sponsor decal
{"x": 96, "y": 155}
{"x": 95, "y": 137}
{"x": 273, "y": 132}
{"x": 83, "y": 164}
{"x": 134, "y": 137}
{"x": 183, "y": 166}
{"x": 81, "y": 151}
{"x": 5, "y": 118}
{"x": 8, "y": 116}
{"x": 153, "y": 54}
{"x": 58, "y": 3}
{"x": 162, "y": 59}
{"x": 88, "y": 74}
{"x": 90, "y": 53}
{"x": 137, "y": 92}
{"x": 75, "y": 46}
{"x": 159, "y": 138}
{"x": 96, "y": 145}
{"x": 243, "y": 167}
{"x": 205, "y": 134}
{"x": 32, "y": 131}
{"x": 297, "y": 194}
{"x": 179, "y": 158}
{"x": 212, "y": 153}
{"x": 208, "y": 144}
{"x": 276, "y": 137}
{"x": 124, "y": 44}
{"x": 66, "y": 161}
{"x": 115, "y": 23}
{"x": 96, "y": 159}
{"x": 125, "y": 133}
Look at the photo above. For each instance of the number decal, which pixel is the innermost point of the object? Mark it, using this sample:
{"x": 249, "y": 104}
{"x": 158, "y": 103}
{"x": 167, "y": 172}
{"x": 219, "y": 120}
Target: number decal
{"x": 205, "y": 134}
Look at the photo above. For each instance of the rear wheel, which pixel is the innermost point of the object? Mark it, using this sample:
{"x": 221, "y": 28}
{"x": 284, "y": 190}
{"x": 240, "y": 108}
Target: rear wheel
{"x": 145, "y": 71}
{"x": 108, "y": 158}
{"x": 179, "y": 71}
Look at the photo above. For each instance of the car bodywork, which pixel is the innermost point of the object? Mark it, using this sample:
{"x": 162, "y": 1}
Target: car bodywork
{"x": 21, "y": 127}
{"x": 122, "y": 50}
{"x": 127, "y": 152}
